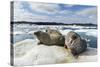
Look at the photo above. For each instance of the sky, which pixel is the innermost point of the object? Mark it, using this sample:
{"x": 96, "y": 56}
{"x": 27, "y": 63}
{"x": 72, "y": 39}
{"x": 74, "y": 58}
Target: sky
{"x": 54, "y": 12}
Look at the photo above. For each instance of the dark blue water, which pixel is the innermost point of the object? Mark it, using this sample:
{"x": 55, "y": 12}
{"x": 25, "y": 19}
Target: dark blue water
{"x": 20, "y": 37}
{"x": 92, "y": 40}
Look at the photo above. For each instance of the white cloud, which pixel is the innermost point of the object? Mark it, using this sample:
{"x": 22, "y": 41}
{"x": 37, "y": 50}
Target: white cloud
{"x": 44, "y": 7}
{"x": 65, "y": 12}
{"x": 22, "y": 15}
{"x": 19, "y": 13}
{"x": 90, "y": 13}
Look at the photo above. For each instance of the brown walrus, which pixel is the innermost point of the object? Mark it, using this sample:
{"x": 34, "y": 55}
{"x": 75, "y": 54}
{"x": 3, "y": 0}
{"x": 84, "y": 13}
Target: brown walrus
{"x": 50, "y": 37}
{"x": 74, "y": 43}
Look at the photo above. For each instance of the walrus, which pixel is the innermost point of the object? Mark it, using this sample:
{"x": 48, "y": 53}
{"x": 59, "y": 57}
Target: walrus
{"x": 50, "y": 37}
{"x": 74, "y": 43}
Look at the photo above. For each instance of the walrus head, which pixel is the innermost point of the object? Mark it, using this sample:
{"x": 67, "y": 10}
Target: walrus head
{"x": 75, "y": 43}
{"x": 37, "y": 33}
{"x": 42, "y": 35}
{"x": 74, "y": 37}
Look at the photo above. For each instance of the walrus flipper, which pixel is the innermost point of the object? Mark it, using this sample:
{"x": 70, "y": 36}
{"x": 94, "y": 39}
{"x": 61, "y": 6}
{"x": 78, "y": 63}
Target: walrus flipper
{"x": 40, "y": 43}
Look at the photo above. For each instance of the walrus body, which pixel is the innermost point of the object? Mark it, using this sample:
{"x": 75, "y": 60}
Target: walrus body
{"x": 74, "y": 43}
{"x": 50, "y": 37}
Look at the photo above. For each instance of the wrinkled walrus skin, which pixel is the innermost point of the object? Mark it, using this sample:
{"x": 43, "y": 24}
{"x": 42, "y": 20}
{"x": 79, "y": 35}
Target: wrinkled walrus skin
{"x": 50, "y": 37}
{"x": 74, "y": 43}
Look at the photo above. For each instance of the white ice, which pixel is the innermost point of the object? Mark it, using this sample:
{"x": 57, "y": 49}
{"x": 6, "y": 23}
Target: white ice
{"x": 27, "y": 52}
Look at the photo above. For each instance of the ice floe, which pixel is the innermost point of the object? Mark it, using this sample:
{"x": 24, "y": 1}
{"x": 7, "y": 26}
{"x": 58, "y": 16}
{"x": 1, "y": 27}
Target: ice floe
{"x": 27, "y": 52}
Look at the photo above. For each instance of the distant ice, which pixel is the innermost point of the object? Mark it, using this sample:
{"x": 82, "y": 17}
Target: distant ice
{"x": 17, "y": 32}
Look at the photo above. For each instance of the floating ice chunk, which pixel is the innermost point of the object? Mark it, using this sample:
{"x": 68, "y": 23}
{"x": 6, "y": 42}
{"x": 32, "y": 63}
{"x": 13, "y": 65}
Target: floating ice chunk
{"x": 92, "y": 33}
{"x": 89, "y": 32}
{"x": 31, "y": 32}
{"x": 17, "y": 32}
{"x": 81, "y": 30}
{"x": 64, "y": 32}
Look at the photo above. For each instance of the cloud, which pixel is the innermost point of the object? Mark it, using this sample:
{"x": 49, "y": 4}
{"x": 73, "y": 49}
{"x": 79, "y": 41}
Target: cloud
{"x": 19, "y": 13}
{"x": 53, "y": 13}
{"x": 90, "y": 13}
{"x": 44, "y": 7}
{"x": 65, "y": 12}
